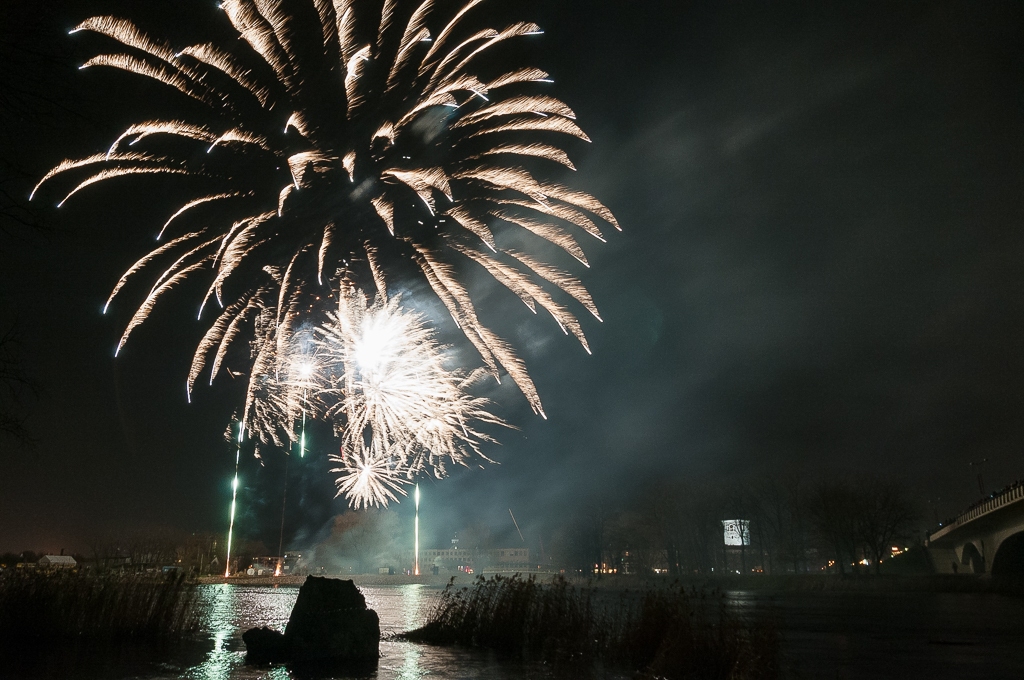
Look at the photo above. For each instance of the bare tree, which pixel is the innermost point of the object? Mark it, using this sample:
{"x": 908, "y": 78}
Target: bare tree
{"x": 690, "y": 519}
{"x": 832, "y": 509}
{"x": 777, "y": 506}
{"x": 635, "y": 540}
{"x": 580, "y": 541}
{"x": 884, "y": 514}
{"x": 106, "y": 550}
{"x": 196, "y": 552}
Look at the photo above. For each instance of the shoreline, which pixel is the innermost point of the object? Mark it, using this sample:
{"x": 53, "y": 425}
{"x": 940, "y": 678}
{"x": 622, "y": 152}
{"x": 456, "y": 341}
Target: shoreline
{"x": 430, "y": 580}
{"x": 819, "y": 583}
{"x": 786, "y": 583}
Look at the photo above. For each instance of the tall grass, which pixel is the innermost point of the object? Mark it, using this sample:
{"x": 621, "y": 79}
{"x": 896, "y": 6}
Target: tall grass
{"x": 665, "y": 632}
{"x": 48, "y": 606}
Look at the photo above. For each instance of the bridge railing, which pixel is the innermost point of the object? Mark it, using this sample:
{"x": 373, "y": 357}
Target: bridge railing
{"x": 1009, "y": 496}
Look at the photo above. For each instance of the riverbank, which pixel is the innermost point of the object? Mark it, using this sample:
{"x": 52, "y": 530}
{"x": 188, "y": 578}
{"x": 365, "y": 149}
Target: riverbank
{"x": 360, "y": 580}
{"x": 824, "y": 583}
{"x": 786, "y": 583}
{"x": 431, "y": 580}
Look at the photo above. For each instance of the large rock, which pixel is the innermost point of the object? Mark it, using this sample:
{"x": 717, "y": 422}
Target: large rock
{"x": 265, "y": 645}
{"x": 330, "y": 620}
{"x": 329, "y": 623}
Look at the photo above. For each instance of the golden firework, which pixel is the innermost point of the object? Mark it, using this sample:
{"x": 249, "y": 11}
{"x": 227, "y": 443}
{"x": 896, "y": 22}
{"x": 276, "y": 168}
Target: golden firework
{"x": 346, "y": 145}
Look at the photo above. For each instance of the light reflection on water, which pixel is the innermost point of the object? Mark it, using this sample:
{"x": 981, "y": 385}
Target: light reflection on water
{"x": 230, "y": 610}
{"x": 834, "y": 635}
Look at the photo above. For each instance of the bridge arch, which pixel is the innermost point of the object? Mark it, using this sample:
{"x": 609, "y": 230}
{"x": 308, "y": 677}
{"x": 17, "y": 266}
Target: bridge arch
{"x": 1009, "y": 559}
{"x": 973, "y": 558}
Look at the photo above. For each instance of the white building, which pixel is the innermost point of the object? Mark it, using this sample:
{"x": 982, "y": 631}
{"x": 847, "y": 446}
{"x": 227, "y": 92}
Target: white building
{"x": 454, "y": 559}
{"x": 57, "y": 562}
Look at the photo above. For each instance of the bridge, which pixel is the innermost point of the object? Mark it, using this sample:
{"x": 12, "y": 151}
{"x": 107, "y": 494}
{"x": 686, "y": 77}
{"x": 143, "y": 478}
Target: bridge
{"x": 988, "y": 538}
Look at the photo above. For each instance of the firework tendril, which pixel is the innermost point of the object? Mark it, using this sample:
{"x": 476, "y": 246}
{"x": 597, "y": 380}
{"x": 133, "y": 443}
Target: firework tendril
{"x": 350, "y": 146}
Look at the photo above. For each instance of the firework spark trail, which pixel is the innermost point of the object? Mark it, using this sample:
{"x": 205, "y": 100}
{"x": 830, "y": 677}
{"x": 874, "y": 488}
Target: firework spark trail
{"x": 398, "y": 409}
{"x": 234, "y": 499}
{"x": 431, "y": 199}
{"x": 345, "y": 144}
{"x": 376, "y": 371}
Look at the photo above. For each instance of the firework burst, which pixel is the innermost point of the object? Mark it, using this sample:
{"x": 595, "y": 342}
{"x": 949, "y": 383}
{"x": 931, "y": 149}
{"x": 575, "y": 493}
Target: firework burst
{"x": 391, "y": 394}
{"x": 348, "y": 144}
{"x": 368, "y": 481}
{"x": 376, "y": 371}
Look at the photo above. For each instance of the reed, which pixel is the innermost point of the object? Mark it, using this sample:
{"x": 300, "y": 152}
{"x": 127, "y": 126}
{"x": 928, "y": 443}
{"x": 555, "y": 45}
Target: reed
{"x": 48, "y": 606}
{"x": 664, "y": 632}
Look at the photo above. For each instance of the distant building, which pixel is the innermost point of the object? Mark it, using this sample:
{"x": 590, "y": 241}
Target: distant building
{"x": 293, "y": 563}
{"x": 273, "y": 565}
{"x": 736, "y": 532}
{"x": 57, "y": 562}
{"x": 509, "y": 558}
{"x": 263, "y": 566}
{"x": 736, "y": 541}
{"x": 454, "y": 559}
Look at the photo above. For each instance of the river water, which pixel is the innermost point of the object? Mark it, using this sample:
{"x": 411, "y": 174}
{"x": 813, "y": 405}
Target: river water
{"x": 842, "y": 636}
{"x": 825, "y": 635}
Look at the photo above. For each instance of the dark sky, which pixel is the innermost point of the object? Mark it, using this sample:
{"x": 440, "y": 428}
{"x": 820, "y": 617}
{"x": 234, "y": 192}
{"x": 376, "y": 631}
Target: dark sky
{"x": 820, "y": 269}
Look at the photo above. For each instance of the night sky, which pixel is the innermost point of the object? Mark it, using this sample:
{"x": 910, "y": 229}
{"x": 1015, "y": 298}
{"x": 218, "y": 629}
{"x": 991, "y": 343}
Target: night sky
{"x": 820, "y": 270}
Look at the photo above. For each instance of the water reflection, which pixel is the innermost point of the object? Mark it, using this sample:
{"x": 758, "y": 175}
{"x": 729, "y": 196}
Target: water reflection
{"x": 401, "y": 608}
{"x": 836, "y": 635}
{"x": 228, "y": 612}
